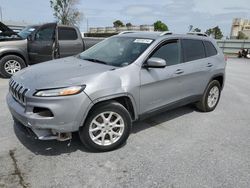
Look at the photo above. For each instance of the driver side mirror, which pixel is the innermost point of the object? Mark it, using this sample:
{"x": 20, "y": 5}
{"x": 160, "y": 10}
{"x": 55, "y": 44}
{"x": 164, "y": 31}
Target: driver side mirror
{"x": 155, "y": 62}
{"x": 30, "y": 38}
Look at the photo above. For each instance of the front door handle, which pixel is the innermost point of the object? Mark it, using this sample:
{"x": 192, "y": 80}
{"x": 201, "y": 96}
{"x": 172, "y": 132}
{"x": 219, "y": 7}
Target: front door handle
{"x": 209, "y": 65}
{"x": 179, "y": 71}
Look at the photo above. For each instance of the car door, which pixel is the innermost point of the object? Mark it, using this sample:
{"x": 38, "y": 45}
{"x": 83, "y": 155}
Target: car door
{"x": 196, "y": 67}
{"x": 69, "y": 41}
{"x": 41, "y": 43}
{"x": 162, "y": 86}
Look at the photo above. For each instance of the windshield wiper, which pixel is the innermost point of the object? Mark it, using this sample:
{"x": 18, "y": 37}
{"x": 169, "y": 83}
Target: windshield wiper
{"x": 95, "y": 60}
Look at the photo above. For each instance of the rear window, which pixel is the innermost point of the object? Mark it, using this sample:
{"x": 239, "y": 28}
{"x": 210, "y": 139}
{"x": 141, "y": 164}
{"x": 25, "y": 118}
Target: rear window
{"x": 67, "y": 33}
{"x": 193, "y": 49}
{"x": 210, "y": 49}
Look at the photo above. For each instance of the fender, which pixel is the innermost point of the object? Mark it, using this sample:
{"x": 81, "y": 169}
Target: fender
{"x": 106, "y": 98}
{"x": 15, "y": 51}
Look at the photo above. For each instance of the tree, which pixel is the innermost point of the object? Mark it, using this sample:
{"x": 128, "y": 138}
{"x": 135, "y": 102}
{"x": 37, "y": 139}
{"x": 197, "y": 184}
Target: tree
{"x": 242, "y": 36}
{"x": 197, "y": 30}
{"x": 129, "y": 24}
{"x": 118, "y": 23}
{"x": 160, "y": 26}
{"x": 215, "y": 32}
{"x": 209, "y": 32}
{"x": 65, "y": 11}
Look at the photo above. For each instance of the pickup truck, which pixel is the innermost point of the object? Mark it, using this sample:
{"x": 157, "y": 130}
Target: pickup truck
{"x": 36, "y": 44}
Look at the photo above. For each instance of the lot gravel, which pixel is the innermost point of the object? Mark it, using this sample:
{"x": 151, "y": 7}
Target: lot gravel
{"x": 178, "y": 148}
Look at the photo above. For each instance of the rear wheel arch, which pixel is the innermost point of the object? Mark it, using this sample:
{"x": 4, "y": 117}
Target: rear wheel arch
{"x": 203, "y": 104}
{"x": 219, "y": 78}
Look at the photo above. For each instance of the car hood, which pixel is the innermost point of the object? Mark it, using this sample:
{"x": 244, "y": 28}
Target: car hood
{"x": 59, "y": 73}
{"x": 6, "y": 31}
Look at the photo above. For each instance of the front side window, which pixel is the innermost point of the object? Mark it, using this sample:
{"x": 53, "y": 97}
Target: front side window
{"x": 193, "y": 49}
{"x": 169, "y": 52}
{"x": 117, "y": 51}
{"x": 45, "y": 34}
{"x": 67, "y": 33}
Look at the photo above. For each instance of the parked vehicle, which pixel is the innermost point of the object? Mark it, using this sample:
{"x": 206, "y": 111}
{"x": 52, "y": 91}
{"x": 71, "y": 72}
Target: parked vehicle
{"x": 244, "y": 53}
{"x": 100, "y": 92}
{"x": 43, "y": 43}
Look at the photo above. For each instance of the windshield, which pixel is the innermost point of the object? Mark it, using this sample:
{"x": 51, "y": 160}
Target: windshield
{"x": 117, "y": 51}
{"x": 24, "y": 33}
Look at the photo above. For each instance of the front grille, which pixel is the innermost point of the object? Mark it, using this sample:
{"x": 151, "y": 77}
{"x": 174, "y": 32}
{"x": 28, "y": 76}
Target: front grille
{"x": 18, "y": 92}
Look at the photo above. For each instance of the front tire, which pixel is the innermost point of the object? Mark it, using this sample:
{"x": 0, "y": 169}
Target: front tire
{"x": 11, "y": 64}
{"x": 210, "y": 97}
{"x": 106, "y": 128}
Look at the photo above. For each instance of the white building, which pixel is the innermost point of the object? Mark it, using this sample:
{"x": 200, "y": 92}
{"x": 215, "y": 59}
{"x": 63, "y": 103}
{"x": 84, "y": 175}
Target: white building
{"x": 120, "y": 29}
{"x": 240, "y": 25}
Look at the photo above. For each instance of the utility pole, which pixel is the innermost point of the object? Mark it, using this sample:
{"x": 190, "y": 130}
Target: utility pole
{"x": 1, "y": 14}
{"x": 87, "y": 25}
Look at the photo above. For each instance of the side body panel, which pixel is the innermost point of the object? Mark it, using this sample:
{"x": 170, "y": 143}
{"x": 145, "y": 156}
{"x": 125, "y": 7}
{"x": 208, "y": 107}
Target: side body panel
{"x": 15, "y": 47}
{"x": 70, "y": 47}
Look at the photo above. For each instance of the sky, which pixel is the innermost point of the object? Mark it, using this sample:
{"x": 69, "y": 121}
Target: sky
{"x": 177, "y": 14}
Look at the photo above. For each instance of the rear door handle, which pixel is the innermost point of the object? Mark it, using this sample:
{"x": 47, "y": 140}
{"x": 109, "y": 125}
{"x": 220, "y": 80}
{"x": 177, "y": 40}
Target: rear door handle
{"x": 209, "y": 65}
{"x": 179, "y": 71}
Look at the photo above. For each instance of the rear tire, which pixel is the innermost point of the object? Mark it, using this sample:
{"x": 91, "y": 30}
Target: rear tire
{"x": 210, "y": 97}
{"x": 11, "y": 64}
{"x": 106, "y": 128}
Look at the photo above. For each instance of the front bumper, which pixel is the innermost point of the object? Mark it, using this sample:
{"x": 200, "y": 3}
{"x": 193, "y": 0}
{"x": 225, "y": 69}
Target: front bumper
{"x": 68, "y": 112}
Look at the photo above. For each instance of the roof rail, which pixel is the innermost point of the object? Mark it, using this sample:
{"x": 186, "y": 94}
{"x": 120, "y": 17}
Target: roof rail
{"x": 198, "y": 33}
{"x": 126, "y": 32}
{"x": 166, "y": 33}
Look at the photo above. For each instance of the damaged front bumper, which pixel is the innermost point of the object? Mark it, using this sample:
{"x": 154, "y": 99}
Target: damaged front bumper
{"x": 41, "y": 134}
{"x": 64, "y": 117}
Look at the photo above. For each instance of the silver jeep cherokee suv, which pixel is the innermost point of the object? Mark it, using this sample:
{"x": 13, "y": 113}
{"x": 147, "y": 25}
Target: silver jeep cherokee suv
{"x": 121, "y": 79}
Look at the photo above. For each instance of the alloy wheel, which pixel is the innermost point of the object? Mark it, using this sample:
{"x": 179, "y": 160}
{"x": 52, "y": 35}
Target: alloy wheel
{"x": 12, "y": 66}
{"x": 106, "y": 128}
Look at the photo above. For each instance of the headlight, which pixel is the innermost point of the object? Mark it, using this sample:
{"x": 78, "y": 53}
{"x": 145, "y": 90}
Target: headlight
{"x": 60, "y": 91}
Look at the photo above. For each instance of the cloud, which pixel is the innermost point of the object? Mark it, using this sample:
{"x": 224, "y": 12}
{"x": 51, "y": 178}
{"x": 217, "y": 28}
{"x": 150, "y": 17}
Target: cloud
{"x": 138, "y": 10}
{"x": 237, "y": 8}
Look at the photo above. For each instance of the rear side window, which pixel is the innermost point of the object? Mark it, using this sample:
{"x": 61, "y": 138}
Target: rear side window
{"x": 168, "y": 52}
{"x": 67, "y": 33}
{"x": 210, "y": 49}
{"x": 193, "y": 49}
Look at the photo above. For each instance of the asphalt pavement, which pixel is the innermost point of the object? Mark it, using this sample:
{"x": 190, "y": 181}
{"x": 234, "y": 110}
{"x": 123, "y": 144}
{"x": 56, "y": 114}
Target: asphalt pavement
{"x": 179, "y": 148}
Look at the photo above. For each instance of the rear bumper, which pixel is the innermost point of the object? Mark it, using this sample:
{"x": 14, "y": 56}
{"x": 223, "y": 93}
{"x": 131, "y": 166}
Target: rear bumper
{"x": 68, "y": 113}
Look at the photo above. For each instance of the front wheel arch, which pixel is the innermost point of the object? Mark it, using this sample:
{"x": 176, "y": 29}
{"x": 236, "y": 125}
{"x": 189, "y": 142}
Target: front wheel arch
{"x": 124, "y": 99}
{"x": 16, "y": 54}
